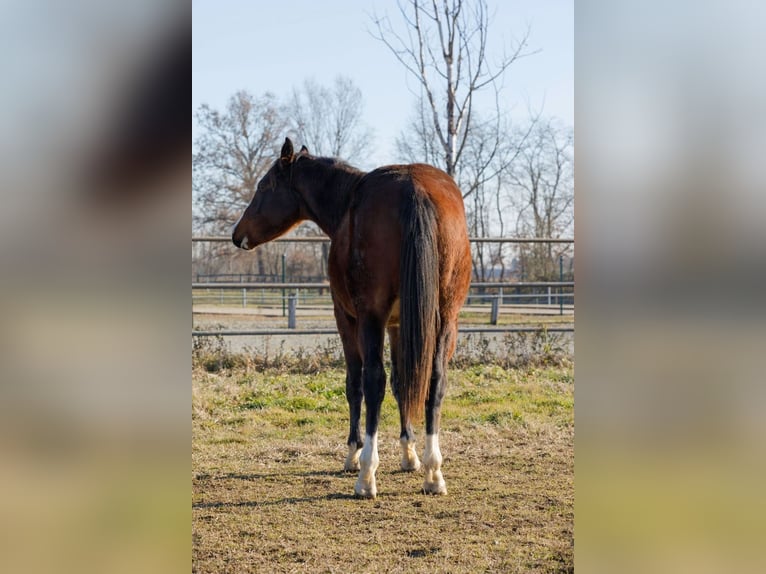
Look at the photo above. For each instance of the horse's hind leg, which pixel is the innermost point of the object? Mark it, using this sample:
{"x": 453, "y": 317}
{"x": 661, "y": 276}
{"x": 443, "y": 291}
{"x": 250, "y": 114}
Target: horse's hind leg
{"x": 410, "y": 461}
{"x": 347, "y": 331}
{"x": 432, "y": 456}
{"x": 371, "y": 332}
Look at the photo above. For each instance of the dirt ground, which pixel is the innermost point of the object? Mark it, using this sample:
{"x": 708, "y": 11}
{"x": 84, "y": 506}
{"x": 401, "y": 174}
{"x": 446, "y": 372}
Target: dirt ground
{"x": 269, "y": 494}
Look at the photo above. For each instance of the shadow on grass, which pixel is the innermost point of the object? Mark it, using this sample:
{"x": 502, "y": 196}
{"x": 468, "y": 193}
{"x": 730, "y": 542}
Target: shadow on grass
{"x": 269, "y": 476}
{"x": 280, "y": 502}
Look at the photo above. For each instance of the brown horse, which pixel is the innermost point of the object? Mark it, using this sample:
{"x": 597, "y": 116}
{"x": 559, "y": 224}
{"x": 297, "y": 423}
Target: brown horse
{"x": 399, "y": 261}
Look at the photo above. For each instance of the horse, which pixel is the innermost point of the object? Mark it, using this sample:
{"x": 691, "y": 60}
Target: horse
{"x": 399, "y": 261}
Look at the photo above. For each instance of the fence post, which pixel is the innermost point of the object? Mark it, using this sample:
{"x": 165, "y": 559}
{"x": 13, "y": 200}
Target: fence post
{"x": 495, "y": 310}
{"x": 291, "y": 301}
{"x": 549, "y": 294}
{"x": 561, "y": 288}
{"x": 283, "y": 281}
{"x": 244, "y": 298}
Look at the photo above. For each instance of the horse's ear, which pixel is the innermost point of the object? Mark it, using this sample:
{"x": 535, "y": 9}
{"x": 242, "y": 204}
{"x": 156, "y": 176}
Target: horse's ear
{"x": 287, "y": 151}
{"x": 304, "y": 150}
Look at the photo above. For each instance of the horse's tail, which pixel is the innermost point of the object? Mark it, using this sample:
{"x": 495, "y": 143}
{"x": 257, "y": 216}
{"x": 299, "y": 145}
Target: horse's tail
{"x": 418, "y": 303}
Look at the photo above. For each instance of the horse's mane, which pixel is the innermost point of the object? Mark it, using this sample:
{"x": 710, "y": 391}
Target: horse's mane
{"x": 336, "y": 163}
{"x": 339, "y": 179}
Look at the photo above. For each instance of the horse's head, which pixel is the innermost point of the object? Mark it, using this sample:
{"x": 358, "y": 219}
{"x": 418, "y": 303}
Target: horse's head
{"x": 275, "y": 207}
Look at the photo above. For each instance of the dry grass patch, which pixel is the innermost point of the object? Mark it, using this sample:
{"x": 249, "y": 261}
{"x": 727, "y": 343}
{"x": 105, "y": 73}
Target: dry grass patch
{"x": 268, "y": 493}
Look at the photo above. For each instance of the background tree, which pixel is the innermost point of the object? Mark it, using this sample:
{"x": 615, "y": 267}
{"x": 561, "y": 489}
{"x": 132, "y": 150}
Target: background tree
{"x": 542, "y": 192}
{"x": 483, "y": 178}
{"x": 444, "y": 47}
{"x": 418, "y": 141}
{"x": 329, "y": 119}
{"x": 234, "y": 149}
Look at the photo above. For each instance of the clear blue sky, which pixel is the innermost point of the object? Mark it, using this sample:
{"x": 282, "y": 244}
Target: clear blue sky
{"x": 273, "y": 46}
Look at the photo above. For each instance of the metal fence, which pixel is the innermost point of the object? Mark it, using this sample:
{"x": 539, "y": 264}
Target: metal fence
{"x": 558, "y": 293}
{"x": 227, "y": 239}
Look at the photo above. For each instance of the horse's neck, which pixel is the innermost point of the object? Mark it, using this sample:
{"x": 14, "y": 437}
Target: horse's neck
{"x": 327, "y": 195}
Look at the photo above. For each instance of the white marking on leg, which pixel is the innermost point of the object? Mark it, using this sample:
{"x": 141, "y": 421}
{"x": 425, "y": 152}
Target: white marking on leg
{"x": 368, "y": 462}
{"x": 432, "y": 461}
{"x": 352, "y": 460}
{"x": 410, "y": 459}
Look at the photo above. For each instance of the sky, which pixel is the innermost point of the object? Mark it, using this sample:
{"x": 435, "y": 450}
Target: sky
{"x": 274, "y": 46}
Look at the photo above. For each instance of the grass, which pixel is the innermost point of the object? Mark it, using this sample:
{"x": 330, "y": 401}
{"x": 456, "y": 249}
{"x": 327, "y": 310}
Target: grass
{"x": 508, "y": 350}
{"x": 269, "y": 494}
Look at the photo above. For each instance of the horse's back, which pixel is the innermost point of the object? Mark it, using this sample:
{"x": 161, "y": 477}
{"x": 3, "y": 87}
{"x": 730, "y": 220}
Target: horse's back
{"x": 383, "y": 190}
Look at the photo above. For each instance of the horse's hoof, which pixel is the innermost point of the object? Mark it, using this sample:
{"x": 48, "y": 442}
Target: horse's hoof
{"x": 352, "y": 460}
{"x": 437, "y": 488}
{"x": 365, "y": 493}
{"x": 410, "y": 461}
{"x": 365, "y": 488}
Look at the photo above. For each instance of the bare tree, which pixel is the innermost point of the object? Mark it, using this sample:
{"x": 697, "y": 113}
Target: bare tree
{"x": 444, "y": 47}
{"x": 542, "y": 191}
{"x": 329, "y": 119}
{"x": 485, "y": 152}
{"x": 234, "y": 149}
{"x": 418, "y": 141}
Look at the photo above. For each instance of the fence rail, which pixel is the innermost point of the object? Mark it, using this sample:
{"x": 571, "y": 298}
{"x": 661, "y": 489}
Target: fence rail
{"x": 478, "y": 285}
{"x": 292, "y": 299}
{"x": 268, "y": 332}
{"x": 227, "y": 239}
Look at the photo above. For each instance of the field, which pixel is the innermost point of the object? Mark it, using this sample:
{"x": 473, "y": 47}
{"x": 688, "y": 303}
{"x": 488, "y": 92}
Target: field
{"x": 269, "y": 494}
